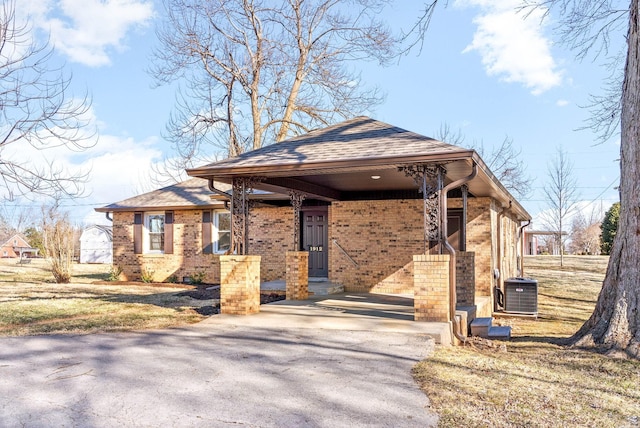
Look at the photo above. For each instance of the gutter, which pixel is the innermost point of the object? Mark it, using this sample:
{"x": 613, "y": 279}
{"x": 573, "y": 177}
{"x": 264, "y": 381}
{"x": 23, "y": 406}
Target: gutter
{"x": 315, "y": 167}
{"x": 452, "y": 252}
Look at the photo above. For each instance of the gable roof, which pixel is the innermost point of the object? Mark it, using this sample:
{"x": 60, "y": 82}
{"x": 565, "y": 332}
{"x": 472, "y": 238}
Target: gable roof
{"x": 189, "y": 194}
{"x": 334, "y": 162}
{"x": 7, "y": 241}
{"x": 106, "y": 229}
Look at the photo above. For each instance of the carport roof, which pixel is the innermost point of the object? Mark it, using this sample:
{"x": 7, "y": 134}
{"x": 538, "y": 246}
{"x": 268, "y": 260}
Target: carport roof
{"x": 361, "y": 141}
{"x": 331, "y": 162}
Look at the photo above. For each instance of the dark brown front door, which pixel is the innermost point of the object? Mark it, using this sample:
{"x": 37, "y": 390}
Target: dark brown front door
{"x": 314, "y": 240}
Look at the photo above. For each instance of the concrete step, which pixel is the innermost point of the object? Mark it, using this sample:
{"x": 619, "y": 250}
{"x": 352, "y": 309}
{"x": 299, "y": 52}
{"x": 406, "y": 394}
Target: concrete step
{"x": 499, "y": 333}
{"x": 324, "y": 289}
{"x": 480, "y": 326}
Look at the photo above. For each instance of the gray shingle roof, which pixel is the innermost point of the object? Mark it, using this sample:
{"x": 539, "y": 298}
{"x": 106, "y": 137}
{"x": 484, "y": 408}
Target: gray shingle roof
{"x": 192, "y": 193}
{"x": 357, "y": 139}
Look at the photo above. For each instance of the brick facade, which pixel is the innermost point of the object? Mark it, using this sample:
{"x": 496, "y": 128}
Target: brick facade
{"x": 271, "y": 236}
{"x": 187, "y": 258}
{"x": 380, "y": 236}
{"x": 431, "y": 288}
{"x": 465, "y": 278}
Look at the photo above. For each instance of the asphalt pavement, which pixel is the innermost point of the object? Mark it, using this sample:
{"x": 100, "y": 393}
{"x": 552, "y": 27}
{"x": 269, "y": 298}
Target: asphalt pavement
{"x": 215, "y": 375}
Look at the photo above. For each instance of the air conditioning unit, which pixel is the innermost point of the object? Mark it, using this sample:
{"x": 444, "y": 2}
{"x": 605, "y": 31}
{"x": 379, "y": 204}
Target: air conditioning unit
{"x": 521, "y": 296}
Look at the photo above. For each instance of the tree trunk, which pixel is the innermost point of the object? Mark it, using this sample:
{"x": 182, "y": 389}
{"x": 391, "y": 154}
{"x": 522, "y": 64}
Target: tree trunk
{"x": 615, "y": 322}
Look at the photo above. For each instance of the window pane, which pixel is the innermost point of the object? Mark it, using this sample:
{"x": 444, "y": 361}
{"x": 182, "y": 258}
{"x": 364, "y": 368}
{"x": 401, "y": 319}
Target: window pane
{"x": 156, "y": 241}
{"x": 224, "y": 241}
{"x": 224, "y": 221}
{"x": 156, "y": 223}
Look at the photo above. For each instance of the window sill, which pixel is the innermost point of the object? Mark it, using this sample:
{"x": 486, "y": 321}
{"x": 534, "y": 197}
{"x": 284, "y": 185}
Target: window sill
{"x": 152, "y": 255}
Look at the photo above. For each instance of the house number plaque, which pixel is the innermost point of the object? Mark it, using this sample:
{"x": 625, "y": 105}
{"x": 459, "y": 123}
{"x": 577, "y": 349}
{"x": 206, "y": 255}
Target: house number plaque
{"x": 312, "y": 248}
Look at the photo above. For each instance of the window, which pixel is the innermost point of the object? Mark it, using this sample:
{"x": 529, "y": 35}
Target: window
{"x": 222, "y": 231}
{"x": 154, "y": 228}
{"x": 216, "y": 232}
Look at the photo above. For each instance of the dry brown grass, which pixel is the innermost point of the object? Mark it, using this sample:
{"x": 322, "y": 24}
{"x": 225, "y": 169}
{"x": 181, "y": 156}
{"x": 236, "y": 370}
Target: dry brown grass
{"x": 535, "y": 381}
{"x": 31, "y": 303}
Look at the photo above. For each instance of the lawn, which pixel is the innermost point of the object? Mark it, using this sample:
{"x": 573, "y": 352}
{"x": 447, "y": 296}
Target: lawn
{"x": 535, "y": 381}
{"x": 31, "y": 303}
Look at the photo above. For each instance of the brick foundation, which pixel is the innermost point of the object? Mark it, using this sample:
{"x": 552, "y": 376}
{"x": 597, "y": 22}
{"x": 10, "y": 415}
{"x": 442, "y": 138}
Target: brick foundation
{"x": 239, "y": 285}
{"x": 431, "y": 288}
{"x": 297, "y": 275}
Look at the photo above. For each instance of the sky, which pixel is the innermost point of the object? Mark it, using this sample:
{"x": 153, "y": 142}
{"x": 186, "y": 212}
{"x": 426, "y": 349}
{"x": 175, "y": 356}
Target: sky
{"x": 483, "y": 70}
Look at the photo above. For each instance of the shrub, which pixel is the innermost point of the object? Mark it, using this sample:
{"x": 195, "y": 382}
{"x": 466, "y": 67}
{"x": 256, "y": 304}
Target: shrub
{"x": 59, "y": 242}
{"x": 114, "y": 273}
{"x": 198, "y": 277}
{"x": 147, "y": 275}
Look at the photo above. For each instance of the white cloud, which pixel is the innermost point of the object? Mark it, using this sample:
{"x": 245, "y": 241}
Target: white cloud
{"x": 86, "y": 30}
{"x": 118, "y": 167}
{"x": 562, "y": 103}
{"x": 513, "y": 48}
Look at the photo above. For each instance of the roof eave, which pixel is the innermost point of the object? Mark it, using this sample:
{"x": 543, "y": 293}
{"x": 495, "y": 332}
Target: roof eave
{"x": 110, "y": 209}
{"x": 503, "y": 194}
{"x": 272, "y": 168}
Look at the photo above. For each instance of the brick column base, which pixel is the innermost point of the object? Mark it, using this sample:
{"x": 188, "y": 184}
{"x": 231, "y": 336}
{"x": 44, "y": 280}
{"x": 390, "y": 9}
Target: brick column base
{"x": 297, "y": 276}
{"x": 431, "y": 287}
{"x": 239, "y": 285}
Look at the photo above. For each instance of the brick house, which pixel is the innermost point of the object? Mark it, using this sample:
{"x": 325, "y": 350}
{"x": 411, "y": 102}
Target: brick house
{"x": 15, "y": 246}
{"x": 364, "y": 200}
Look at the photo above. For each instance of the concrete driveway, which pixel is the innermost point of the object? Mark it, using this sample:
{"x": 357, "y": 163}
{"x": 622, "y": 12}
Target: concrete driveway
{"x": 217, "y": 373}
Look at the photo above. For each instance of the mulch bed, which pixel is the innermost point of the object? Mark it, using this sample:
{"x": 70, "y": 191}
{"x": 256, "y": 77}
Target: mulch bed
{"x": 208, "y": 292}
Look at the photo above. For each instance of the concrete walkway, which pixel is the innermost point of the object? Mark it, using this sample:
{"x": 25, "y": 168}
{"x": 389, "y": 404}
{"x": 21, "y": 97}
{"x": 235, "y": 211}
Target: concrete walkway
{"x": 264, "y": 370}
{"x": 344, "y": 311}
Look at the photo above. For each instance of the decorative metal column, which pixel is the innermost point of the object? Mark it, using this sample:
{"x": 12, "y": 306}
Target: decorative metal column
{"x": 430, "y": 180}
{"x": 296, "y": 202}
{"x": 242, "y": 186}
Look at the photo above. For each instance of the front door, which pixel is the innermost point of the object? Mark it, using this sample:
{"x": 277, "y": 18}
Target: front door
{"x": 314, "y": 240}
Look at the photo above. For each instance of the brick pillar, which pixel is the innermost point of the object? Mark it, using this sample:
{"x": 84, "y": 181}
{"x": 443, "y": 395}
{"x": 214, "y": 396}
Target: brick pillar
{"x": 239, "y": 285}
{"x": 465, "y": 278}
{"x": 297, "y": 276}
{"x": 431, "y": 287}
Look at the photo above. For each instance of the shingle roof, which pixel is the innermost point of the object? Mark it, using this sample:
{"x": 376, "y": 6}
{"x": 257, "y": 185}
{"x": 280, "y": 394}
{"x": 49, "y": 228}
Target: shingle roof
{"x": 358, "y": 139}
{"x": 191, "y": 194}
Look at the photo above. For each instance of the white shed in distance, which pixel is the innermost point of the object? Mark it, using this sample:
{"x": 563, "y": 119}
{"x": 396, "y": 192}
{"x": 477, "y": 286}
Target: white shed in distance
{"x": 96, "y": 244}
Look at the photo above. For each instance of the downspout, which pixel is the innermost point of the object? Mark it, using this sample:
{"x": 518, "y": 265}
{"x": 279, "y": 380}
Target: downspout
{"x": 497, "y": 271}
{"x": 444, "y": 243}
{"x": 107, "y": 216}
{"x": 521, "y": 239}
{"x": 221, "y": 193}
{"x": 218, "y": 191}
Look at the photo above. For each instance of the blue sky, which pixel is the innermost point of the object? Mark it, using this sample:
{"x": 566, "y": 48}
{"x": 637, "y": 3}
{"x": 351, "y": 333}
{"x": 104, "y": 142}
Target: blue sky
{"x": 482, "y": 70}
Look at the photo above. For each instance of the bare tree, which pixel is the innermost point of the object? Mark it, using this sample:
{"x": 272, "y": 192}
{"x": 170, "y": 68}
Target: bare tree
{"x": 259, "y": 72}
{"x": 588, "y": 24}
{"x": 504, "y": 160}
{"x": 36, "y": 109}
{"x": 585, "y": 233}
{"x": 561, "y": 193}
